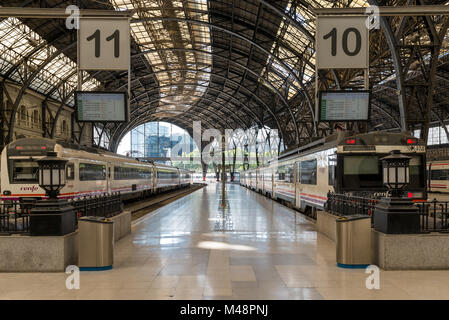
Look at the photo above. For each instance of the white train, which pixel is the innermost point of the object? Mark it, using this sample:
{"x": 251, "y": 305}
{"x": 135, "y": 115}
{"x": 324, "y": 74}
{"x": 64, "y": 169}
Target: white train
{"x": 89, "y": 172}
{"x": 438, "y": 168}
{"x": 302, "y": 178}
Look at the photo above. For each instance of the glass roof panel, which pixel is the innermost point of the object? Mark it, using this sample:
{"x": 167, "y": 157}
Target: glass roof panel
{"x": 19, "y": 42}
{"x": 293, "y": 41}
{"x": 160, "y": 36}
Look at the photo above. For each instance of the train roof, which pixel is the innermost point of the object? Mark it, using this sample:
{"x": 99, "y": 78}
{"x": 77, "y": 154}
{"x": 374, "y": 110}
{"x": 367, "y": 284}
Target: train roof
{"x": 369, "y": 138}
{"x": 45, "y": 144}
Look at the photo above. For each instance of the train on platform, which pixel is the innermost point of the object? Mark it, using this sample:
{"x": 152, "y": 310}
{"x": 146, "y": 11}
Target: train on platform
{"x": 438, "y": 168}
{"x": 303, "y": 177}
{"x": 89, "y": 172}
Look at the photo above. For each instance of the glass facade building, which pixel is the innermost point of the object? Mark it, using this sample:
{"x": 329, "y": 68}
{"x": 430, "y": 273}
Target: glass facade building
{"x": 160, "y": 140}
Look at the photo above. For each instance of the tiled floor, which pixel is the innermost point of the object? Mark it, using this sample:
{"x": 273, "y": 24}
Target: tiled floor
{"x": 258, "y": 249}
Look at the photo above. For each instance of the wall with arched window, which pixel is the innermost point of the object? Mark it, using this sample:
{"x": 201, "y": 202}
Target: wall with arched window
{"x": 30, "y": 114}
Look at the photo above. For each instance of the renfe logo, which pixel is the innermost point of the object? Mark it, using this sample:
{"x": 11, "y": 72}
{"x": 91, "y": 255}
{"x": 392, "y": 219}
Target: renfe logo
{"x": 32, "y": 188}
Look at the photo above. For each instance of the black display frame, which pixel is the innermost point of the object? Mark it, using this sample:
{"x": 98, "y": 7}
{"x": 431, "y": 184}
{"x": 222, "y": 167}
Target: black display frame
{"x": 344, "y": 91}
{"x": 125, "y": 96}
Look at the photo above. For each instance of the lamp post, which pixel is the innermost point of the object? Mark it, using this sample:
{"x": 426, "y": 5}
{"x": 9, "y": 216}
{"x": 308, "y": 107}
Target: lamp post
{"x": 396, "y": 214}
{"x": 52, "y": 216}
{"x": 396, "y": 172}
{"x": 52, "y": 174}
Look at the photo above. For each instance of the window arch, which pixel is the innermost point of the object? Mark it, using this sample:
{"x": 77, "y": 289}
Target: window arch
{"x": 35, "y": 118}
{"x": 23, "y": 114}
{"x": 64, "y": 127}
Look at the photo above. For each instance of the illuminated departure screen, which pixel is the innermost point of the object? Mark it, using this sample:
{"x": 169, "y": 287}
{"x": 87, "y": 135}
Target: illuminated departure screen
{"x": 344, "y": 105}
{"x": 101, "y": 106}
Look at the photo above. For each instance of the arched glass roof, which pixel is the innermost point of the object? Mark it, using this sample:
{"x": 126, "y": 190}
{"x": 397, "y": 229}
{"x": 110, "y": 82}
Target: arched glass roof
{"x": 18, "y": 43}
{"x": 227, "y": 63}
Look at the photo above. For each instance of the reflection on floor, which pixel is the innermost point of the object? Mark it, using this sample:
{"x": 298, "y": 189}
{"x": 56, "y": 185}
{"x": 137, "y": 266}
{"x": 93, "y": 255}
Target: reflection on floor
{"x": 258, "y": 249}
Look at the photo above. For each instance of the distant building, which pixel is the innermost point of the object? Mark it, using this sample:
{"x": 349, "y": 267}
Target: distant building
{"x": 157, "y": 139}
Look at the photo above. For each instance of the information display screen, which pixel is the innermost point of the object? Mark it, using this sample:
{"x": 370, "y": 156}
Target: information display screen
{"x": 101, "y": 106}
{"x": 344, "y": 105}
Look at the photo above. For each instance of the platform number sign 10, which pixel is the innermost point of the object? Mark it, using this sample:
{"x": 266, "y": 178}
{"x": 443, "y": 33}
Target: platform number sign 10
{"x": 342, "y": 42}
{"x": 104, "y": 44}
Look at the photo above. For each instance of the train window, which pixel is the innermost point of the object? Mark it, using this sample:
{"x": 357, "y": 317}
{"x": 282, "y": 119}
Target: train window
{"x": 437, "y": 175}
{"x": 331, "y": 164}
{"x": 70, "y": 171}
{"x": 280, "y": 173}
{"x": 24, "y": 171}
{"x": 290, "y": 174}
{"x": 90, "y": 171}
{"x": 362, "y": 171}
{"x": 308, "y": 172}
{"x": 131, "y": 173}
{"x": 416, "y": 172}
{"x": 167, "y": 175}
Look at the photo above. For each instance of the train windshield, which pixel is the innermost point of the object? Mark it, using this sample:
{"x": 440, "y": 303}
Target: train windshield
{"x": 362, "y": 171}
{"x": 24, "y": 171}
{"x": 416, "y": 172}
{"x": 365, "y": 171}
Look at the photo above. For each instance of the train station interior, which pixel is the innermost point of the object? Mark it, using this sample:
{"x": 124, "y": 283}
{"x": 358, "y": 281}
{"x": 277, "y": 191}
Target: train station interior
{"x": 224, "y": 150}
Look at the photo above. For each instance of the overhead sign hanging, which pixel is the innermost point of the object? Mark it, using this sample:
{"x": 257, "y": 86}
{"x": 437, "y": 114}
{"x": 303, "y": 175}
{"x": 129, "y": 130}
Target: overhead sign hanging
{"x": 344, "y": 105}
{"x": 104, "y": 44}
{"x": 101, "y": 106}
{"x": 342, "y": 42}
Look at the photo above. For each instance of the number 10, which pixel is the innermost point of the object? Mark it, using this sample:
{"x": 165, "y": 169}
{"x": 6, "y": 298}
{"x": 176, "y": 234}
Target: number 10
{"x": 115, "y": 36}
{"x": 333, "y": 35}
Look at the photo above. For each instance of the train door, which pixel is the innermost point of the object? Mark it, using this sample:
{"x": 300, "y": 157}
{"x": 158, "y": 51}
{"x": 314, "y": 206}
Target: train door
{"x": 298, "y": 186}
{"x": 154, "y": 176}
{"x": 109, "y": 178}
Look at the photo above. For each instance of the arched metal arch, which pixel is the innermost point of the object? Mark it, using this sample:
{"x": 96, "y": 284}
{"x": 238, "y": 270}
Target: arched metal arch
{"x": 148, "y": 118}
{"x": 225, "y": 78}
{"x": 145, "y": 110}
{"x": 276, "y": 90}
{"x": 282, "y": 63}
{"x": 229, "y": 80}
{"x": 238, "y": 102}
{"x": 148, "y": 106}
{"x": 391, "y": 41}
{"x": 387, "y": 114}
{"x": 264, "y": 33}
{"x": 27, "y": 83}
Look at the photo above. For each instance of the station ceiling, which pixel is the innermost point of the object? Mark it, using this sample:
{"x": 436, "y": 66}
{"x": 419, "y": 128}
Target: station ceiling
{"x": 227, "y": 63}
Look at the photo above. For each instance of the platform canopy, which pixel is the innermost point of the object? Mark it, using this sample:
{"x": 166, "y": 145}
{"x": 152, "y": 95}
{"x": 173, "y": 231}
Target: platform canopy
{"x": 234, "y": 64}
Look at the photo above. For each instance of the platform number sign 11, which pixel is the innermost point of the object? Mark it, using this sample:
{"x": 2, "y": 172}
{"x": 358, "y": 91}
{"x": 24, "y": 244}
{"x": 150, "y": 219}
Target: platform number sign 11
{"x": 104, "y": 44}
{"x": 342, "y": 42}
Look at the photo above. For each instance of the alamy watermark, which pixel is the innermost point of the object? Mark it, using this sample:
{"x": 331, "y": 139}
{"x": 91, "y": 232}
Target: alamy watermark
{"x": 73, "y": 280}
{"x": 73, "y": 20}
{"x": 373, "y": 19}
{"x": 373, "y": 280}
{"x": 249, "y": 146}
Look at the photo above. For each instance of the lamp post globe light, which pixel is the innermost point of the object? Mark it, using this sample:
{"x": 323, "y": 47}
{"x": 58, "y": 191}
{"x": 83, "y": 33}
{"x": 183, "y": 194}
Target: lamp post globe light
{"x": 396, "y": 172}
{"x": 52, "y": 174}
{"x": 396, "y": 214}
{"x": 52, "y": 216}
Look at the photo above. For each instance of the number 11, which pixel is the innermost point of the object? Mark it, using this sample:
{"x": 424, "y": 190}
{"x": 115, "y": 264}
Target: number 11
{"x": 115, "y": 36}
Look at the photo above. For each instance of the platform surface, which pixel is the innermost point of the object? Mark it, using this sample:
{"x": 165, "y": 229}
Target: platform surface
{"x": 261, "y": 250}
